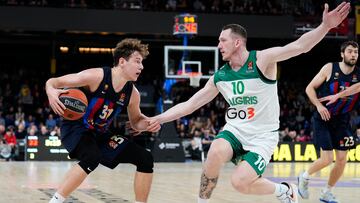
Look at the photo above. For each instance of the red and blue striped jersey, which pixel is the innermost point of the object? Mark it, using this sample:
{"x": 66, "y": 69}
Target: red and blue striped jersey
{"x": 338, "y": 82}
{"x": 105, "y": 104}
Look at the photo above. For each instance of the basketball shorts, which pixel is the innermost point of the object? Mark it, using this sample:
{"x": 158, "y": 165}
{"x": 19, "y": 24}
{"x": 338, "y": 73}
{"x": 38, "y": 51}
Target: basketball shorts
{"x": 333, "y": 134}
{"x": 114, "y": 149}
{"x": 257, "y": 162}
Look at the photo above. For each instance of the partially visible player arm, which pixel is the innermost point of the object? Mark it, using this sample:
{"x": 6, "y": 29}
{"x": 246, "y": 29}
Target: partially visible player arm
{"x": 307, "y": 41}
{"x": 202, "y": 97}
{"x": 84, "y": 78}
{"x": 139, "y": 121}
{"x": 319, "y": 79}
{"x": 353, "y": 89}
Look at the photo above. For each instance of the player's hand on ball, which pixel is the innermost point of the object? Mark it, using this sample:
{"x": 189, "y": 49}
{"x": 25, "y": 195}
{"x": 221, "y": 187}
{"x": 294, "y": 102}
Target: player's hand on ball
{"x": 56, "y": 105}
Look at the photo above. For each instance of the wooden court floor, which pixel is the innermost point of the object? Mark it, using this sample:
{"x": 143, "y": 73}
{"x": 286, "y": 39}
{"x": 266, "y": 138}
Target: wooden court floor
{"x": 35, "y": 182}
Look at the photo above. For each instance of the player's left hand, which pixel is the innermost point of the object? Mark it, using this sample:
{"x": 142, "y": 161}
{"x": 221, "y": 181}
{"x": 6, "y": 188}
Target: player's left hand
{"x": 153, "y": 125}
{"x": 131, "y": 130}
{"x": 330, "y": 99}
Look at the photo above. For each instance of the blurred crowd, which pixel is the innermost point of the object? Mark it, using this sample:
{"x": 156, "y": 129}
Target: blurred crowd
{"x": 261, "y": 7}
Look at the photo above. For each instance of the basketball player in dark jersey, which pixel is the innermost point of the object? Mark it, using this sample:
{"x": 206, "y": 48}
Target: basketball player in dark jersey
{"x": 332, "y": 130}
{"x": 109, "y": 91}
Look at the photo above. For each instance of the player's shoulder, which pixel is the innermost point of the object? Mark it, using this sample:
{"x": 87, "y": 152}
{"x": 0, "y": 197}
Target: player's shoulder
{"x": 328, "y": 66}
{"x": 97, "y": 71}
{"x": 135, "y": 91}
{"x": 93, "y": 76}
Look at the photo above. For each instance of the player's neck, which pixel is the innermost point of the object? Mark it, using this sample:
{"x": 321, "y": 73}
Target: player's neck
{"x": 118, "y": 78}
{"x": 238, "y": 60}
{"x": 346, "y": 68}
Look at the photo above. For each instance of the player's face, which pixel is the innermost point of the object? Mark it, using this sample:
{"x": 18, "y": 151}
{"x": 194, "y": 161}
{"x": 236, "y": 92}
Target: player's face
{"x": 134, "y": 66}
{"x": 226, "y": 44}
{"x": 350, "y": 55}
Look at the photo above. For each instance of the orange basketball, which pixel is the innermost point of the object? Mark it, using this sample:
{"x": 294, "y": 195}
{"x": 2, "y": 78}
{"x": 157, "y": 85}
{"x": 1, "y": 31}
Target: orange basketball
{"x": 76, "y": 103}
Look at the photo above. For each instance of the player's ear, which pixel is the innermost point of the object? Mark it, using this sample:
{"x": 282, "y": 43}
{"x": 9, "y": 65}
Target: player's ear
{"x": 237, "y": 42}
{"x": 342, "y": 55}
{"x": 122, "y": 61}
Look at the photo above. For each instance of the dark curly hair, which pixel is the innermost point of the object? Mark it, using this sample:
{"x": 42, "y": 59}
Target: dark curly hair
{"x": 348, "y": 43}
{"x": 128, "y": 46}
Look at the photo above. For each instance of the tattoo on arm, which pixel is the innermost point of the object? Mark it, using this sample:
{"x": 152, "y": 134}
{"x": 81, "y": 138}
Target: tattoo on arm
{"x": 207, "y": 185}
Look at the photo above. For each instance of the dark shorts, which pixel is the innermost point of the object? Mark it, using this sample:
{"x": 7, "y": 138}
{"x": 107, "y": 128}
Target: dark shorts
{"x": 114, "y": 149}
{"x": 333, "y": 134}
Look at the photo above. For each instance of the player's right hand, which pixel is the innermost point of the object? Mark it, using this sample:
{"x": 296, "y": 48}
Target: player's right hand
{"x": 53, "y": 96}
{"x": 324, "y": 113}
{"x": 335, "y": 17}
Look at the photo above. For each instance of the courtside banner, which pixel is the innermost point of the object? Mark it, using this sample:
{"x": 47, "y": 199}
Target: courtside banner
{"x": 306, "y": 152}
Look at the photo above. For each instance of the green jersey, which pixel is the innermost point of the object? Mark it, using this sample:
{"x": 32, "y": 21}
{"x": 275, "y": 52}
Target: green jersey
{"x": 253, "y": 99}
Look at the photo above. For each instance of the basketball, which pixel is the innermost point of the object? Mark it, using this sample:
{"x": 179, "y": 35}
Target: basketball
{"x": 76, "y": 103}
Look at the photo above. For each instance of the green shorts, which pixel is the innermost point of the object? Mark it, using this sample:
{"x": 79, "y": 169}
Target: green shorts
{"x": 256, "y": 161}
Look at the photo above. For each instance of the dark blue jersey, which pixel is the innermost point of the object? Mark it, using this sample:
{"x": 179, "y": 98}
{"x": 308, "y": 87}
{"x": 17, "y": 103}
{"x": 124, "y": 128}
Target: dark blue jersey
{"x": 338, "y": 82}
{"x": 105, "y": 104}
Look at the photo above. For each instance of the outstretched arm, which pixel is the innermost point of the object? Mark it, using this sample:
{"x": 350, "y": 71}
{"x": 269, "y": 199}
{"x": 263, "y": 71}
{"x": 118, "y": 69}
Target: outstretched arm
{"x": 138, "y": 121}
{"x": 307, "y": 41}
{"x": 319, "y": 79}
{"x": 202, "y": 97}
{"x": 353, "y": 89}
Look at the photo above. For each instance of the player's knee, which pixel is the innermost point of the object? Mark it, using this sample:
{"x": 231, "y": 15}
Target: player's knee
{"x": 90, "y": 162}
{"x": 217, "y": 153}
{"x": 341, "y": 160}
{"x": 145, "y": 163}
{"x": 327, "y": 160}
{"x": 240, "y": 183}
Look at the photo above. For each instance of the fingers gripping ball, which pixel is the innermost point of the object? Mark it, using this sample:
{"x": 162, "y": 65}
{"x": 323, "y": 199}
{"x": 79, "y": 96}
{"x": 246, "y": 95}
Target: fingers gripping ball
{"x": 76, "y": 103}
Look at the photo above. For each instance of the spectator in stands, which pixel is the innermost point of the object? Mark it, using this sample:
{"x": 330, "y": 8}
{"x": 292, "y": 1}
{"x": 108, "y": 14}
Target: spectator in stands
{"x": 207, "y": 139}
{"x": 44, "y": 131}
{"x": 198, "y": 6}
{"x": 2, "y": 130}
{"x": 25, "y": 97}
{"x": 30, "y": 121}
{"x": 171, "y": 5}
{"x": 50, "y": 122}
{"x": 195, "y": 148}
{"x": 303, "y": 137}
{"x": 10, "y": 139}
{"x": 2, "y": 119}
{"x": 20, "y": 132}
{"x": 287, "y": 135}
{"x": 5, "y": 149}
{"x": 183, "y": 131}
{"x": 32, "y": 132}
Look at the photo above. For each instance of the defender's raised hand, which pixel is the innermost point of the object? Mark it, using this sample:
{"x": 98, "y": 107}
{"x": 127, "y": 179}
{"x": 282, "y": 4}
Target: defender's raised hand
{"x": 335, "y": 17}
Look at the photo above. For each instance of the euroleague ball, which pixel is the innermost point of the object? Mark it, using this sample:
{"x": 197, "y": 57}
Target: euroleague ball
{"x": 75, "y": 102}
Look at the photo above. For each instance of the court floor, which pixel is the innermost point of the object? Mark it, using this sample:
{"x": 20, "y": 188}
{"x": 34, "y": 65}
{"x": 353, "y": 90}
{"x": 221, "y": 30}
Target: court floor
{"x": 35, "y": 182}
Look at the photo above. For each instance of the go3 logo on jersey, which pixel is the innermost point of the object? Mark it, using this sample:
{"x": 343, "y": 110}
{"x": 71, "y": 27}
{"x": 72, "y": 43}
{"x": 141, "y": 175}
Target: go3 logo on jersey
{"x": 234, "y": 113}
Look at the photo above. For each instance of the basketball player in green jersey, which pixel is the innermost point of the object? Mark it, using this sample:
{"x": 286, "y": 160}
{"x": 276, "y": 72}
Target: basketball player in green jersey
{"x": 248, "y": 83}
